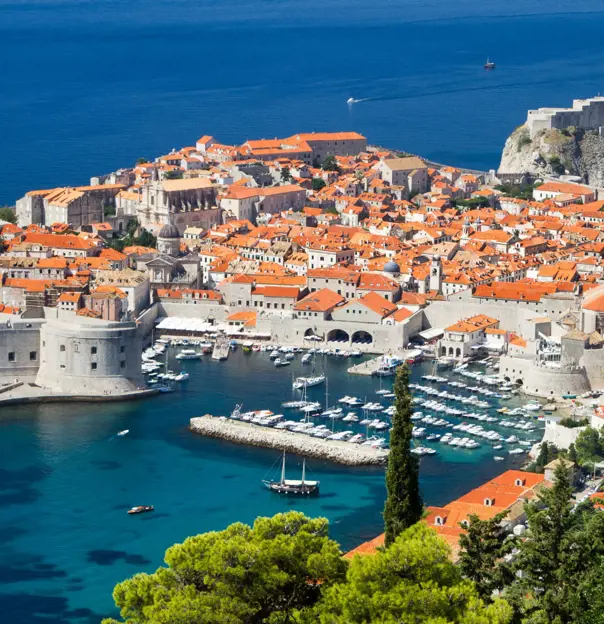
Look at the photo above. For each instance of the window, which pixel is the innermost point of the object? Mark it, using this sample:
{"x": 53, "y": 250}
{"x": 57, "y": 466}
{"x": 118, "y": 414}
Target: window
{"x": 92, "y": 350}
{"x": 11, "y": 356}
{"x": 93, "y": 366}
{"x": 33, "y": 356}
{"x": 62, "y": 348}
{"x": 123, "y": 364}
{"x": 122, "y": 349}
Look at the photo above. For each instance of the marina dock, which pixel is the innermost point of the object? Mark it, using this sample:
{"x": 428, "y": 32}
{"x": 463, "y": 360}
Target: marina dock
{"x": 221, "y": 349}
{"x": 246, "y": 433}
{"x": 368, "y": 368}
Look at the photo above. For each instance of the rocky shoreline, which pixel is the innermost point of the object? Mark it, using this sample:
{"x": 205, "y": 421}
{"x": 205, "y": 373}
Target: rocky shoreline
{"x": 246, "y": 433}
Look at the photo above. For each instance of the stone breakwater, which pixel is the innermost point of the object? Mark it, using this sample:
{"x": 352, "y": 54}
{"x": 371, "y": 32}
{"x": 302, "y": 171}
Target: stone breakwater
{"x": 254, "y": 435}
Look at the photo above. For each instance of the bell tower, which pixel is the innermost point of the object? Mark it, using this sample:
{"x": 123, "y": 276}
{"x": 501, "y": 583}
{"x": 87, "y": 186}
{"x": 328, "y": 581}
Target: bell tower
{"x": 436, "y": 274}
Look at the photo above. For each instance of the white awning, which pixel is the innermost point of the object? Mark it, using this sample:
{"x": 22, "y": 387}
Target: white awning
{"x": 176, "y": 323}
{"x": 432, "y": 333}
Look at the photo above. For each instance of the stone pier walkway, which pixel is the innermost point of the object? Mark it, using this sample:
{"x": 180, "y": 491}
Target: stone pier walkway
{"x": 246, "y": 433}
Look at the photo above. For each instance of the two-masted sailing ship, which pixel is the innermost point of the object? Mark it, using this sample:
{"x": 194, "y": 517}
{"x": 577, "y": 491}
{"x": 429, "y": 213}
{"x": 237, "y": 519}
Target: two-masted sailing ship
{"x": 293, "y": 486}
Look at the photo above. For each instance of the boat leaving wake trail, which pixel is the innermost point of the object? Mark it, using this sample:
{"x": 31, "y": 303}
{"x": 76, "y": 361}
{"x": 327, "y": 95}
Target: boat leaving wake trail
{"x": 410, "y": 96}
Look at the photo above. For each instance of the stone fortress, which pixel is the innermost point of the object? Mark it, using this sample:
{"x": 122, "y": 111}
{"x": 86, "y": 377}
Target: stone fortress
{"x": 70, "y": 356}
{"x": 585, "y": 114}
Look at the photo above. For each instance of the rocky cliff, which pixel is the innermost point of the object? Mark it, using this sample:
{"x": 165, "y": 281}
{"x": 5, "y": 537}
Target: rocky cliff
{"x": 570, "y": 151}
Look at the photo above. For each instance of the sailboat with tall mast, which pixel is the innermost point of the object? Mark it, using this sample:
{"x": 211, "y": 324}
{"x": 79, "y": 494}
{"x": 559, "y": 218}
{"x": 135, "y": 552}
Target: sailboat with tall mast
{"x": 293, "y": 486}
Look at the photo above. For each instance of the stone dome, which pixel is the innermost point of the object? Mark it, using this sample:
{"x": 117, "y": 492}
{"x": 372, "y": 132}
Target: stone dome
{"x": 169, "y": 231}
{"x": 391, "y": 267}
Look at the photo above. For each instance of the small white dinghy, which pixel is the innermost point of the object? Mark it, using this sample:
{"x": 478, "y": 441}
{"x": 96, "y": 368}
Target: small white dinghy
{"x": 124, "y": 432}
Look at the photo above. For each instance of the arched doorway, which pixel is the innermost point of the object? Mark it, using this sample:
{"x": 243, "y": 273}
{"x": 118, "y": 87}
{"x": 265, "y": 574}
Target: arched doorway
{"x": 362, "y": 337}
{"x": 309, "y": 334}
{"x": 339, "y": 336}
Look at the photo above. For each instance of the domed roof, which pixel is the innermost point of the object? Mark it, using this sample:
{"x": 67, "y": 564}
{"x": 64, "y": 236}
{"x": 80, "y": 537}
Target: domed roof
{"x": 391, "y": 267}
{"x": 169, "y": 231}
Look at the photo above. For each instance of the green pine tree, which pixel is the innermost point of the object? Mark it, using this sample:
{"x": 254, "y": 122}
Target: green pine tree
{"x": 481, "y": 558}
{"x": 572, "y": 453}
{"x": 403, "y": 501}
{"x": 546, "y": 588}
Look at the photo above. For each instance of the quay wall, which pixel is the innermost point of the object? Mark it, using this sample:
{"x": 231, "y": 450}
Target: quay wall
{"x": 78, "y": 398}
{"x": 283, "y": 440}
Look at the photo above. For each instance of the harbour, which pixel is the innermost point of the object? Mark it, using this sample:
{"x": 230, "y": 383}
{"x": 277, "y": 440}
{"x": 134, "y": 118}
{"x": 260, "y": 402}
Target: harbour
{"x": 53, "y": 457}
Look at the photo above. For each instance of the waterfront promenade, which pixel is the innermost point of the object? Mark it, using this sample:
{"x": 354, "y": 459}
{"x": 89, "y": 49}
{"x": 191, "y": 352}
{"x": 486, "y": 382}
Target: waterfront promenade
{"x": 21, "y": 393}
{"x": 254, "y": 435}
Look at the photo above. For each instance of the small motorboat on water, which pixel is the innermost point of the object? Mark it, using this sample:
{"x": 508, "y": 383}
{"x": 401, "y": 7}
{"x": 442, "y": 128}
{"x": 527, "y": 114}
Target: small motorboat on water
{"x": 350, "y": 100}
{"x": 124, "y": 432}
{"x": 140, "y": 509}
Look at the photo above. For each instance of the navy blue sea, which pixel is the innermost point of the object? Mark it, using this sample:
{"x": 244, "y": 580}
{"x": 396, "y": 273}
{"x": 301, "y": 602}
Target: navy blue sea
{"x": 66, "y": 481}
{"x": 89, "y": 86}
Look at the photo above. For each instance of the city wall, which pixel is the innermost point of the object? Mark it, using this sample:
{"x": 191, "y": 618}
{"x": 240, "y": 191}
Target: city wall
{"x": 93, "y": 357}
{"x": 561, "y": 436}
{"x": 543, "y": 381}
{"x": 19, "y": 348}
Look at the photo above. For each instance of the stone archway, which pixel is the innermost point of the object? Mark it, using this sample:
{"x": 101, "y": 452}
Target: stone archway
{"x": 338, "y": 335}
{"x": 362, "y": 337}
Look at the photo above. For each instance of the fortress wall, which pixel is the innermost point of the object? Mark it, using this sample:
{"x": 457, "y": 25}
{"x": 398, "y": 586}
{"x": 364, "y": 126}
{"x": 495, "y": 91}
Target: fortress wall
{"x": 561, "y": 436}
{"x": 593, "y": 360}
{"x": 90, "y": 357}
{"x": 543, "y": 381}
{"x": 445, "y": 313}
{"x": 585, "y": 114}
{"x": 23, "y": 343}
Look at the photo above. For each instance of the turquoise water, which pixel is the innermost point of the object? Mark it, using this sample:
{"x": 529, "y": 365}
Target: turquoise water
{"x": 66, "y": 482}
{"x": 88, "y": 87}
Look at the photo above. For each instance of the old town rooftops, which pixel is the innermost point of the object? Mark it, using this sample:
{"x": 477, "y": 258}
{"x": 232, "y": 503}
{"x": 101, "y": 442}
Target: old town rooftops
{"x": 187, "y": 184}
{"x": 472, "y": 324}
{"x": 323, "y": 300}
{"x": 564, "y": 187}
{"x": 404, "y": 164}
{"x": 508, "y": 491}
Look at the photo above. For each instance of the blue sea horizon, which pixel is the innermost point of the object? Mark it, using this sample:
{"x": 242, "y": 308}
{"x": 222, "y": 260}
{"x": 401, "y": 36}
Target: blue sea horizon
{"x": 90, "y": 87}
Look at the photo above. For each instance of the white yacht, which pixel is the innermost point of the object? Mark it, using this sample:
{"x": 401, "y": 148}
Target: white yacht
{"x": 307, "y": 382}
{"x": 188, "y": 354}
{"x": 423, "y": 450}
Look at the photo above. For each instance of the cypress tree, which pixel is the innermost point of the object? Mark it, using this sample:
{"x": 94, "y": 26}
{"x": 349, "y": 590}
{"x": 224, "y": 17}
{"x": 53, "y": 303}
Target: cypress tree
{"x": 403, "y": 500}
